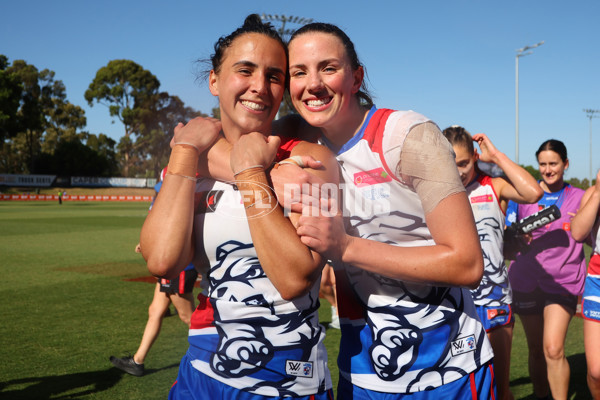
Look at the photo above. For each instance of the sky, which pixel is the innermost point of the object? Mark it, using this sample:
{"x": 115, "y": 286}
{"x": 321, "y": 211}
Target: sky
{"x": 453, "y": 61}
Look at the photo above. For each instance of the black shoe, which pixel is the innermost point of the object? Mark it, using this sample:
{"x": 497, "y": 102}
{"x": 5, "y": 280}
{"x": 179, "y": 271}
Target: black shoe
{"x": 128, "y": 365}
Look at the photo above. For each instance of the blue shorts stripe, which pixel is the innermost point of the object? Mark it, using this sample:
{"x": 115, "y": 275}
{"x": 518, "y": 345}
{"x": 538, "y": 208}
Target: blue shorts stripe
{"x": 480, "y": 385}
{"x": 590, "y": 302}
{"x": 191, "y": 384}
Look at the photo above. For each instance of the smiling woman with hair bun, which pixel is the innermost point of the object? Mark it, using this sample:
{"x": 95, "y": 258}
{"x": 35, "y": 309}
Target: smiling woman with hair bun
{"x": 255, "y": 333}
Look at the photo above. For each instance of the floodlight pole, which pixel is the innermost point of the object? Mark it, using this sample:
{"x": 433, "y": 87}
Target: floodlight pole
{"x": 522, "y": 52}
{"x": 590, "y": 114}
{"x": 284, "y": 19}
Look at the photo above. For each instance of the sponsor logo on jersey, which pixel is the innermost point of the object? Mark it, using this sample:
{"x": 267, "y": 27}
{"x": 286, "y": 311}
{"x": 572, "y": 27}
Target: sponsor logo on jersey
{"x": 495, "y": 313}
{"x": 486, "y": 198}
{"x": 592, "y": 314}
{"x": 463, "y": 345}
{"x": 566, "y": 226}
{"x": 299, "y": 368}
{"x": 372, "y": 177}
{"x": 544, "y": 221}
{"x": 482, "y": 206}
{"x": 375, "y": 193}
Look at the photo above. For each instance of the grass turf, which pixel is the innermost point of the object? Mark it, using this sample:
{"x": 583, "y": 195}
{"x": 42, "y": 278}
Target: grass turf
{"x": 70, "y": 299}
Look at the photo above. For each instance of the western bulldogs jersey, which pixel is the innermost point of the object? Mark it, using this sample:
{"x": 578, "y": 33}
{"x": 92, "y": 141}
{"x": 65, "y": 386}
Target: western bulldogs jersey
{"x": 243, "y": 333}
{"x": 596, "y": 236}
{"x": 494, "y": 289}
{"x": 397, "y": 337}
{"x": 594, "y": 265}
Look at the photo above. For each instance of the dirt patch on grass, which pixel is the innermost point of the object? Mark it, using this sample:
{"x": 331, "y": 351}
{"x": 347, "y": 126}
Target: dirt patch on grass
{"x": 147, "y": 279}
{"x": 129, "y": 272}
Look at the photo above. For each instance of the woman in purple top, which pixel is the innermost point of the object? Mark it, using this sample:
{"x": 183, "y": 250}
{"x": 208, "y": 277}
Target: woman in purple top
{"x": 548, "y": 274}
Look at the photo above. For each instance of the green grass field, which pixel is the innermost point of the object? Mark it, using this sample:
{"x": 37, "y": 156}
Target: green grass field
{"x": 70, "y": 299}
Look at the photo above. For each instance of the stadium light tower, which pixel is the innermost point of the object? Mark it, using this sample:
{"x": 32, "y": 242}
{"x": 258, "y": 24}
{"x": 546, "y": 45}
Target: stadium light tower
{"x": 522, "y": 52}
{"x": 283, "y": 32}
{"x": 590, "y": 114}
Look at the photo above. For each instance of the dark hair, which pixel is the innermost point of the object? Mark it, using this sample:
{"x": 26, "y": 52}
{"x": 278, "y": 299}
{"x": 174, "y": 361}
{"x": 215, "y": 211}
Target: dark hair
{"x": 457, "y": 135}
{"x": 322, "y": 27}
{"x": 252, "y": 24}
{"x": 553, "y": 145}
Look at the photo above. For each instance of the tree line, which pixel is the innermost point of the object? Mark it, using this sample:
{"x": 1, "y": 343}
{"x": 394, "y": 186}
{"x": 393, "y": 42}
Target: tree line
{"x": 41, "y": 132}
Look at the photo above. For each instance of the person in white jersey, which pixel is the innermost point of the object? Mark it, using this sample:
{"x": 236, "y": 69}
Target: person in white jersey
{"x": 255, "y": 333}
{"x": 489, "y": 197}
{"x": 586, "y": 226}
{"x": 404, "y": 246}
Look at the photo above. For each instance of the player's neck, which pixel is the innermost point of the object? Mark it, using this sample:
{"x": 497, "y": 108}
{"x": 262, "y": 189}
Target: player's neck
{"x": 555, "y": 187}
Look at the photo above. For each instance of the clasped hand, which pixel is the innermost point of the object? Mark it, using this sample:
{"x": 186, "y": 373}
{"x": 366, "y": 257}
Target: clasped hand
{"x": 253, "y": 149}
{"x": 200, "y": 132}
{"x": 321, "y": 226}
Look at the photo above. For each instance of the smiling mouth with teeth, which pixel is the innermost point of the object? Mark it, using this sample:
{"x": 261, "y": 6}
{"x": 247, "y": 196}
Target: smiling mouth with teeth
{"x": 252, "y": 105}
{"x": 318, "y": 102}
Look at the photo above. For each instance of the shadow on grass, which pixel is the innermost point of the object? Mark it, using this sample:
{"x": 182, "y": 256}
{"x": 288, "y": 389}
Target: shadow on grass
{"x": 578, "y": 389}
{"x": 70, "y": 386}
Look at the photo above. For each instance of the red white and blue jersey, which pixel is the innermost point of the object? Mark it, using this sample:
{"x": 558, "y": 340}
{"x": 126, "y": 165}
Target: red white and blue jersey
{"x": 494, "y": 289}
{"x": 243, "y": 333}
{"x": 397, "y": 337}
{"x": 590, "y": 302}
{"x": 594, "y": 266}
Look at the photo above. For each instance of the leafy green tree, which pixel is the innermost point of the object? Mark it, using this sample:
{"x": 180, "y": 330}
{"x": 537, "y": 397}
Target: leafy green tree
{"x": 64, "y": 123}
{"x": 106, "y": 148}
{"x": 42, "y": 115}
{"x": 533, "y": 171}
{"x": 28, "y": 125}
{"x": 72, "y": 157}
{"x": 162, "y": 113}
{"x": 124, "y": 87}
{"x": 584, "y": 184}
{"x": 10, "y": 92}
{"x": 575, "y": 182}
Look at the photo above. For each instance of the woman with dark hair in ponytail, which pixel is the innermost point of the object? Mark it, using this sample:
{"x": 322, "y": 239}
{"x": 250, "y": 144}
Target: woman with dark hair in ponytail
{"x": 403, "y": 242}
{"x": 548, "y": 275}
{"x": 404, "y": 247}
{"x": 489, "y": 197}
{"x": 255, "y": 333}
{"x": 586, "y": 227}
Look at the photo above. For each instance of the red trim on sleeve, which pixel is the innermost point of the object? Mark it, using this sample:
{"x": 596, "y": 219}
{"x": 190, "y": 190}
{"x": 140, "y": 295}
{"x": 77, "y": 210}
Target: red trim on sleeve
{"x": 487, "y": 180}
{"x": 374, "y": 136}
{"x": 594, "y": 265}
{"x": 285, "y": 148}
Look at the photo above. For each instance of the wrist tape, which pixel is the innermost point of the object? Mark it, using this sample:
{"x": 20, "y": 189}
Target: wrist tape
{"x": 254, "y": 187}
{"x": 183, "y": 160}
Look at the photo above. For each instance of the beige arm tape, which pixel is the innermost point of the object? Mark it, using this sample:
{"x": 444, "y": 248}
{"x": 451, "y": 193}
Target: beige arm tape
{"x": 427, "y": 164}
{"x": 254, "y": 187}
{"x": 183, "y": 161}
